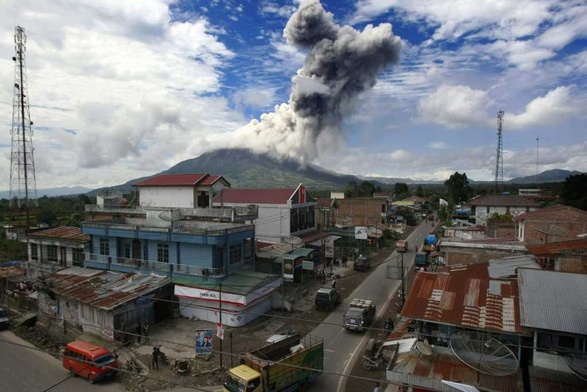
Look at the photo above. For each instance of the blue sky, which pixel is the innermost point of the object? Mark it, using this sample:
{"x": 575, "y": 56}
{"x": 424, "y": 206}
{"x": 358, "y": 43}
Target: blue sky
{"x": 123, "y": 89}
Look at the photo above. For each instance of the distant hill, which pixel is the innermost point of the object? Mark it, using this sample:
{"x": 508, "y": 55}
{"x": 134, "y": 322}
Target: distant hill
{"x": 245, "y": 169}
{"x": 52, "y": 192}
{"x": 555, "y": 175}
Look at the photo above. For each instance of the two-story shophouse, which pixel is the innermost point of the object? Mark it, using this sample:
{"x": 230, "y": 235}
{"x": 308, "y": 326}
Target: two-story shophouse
{"x": 208, "y": 252}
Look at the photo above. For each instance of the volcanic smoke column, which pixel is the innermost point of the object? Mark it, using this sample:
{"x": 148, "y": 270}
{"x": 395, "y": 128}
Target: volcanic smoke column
{"x": 342, "y": 62}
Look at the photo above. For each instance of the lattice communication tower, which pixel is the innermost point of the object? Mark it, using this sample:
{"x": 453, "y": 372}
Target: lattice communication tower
{"x": 23, "y": 188}
{"x": 499, "y": 159}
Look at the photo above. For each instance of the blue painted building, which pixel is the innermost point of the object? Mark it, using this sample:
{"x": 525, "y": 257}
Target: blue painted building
{"x": 175, "y": 232}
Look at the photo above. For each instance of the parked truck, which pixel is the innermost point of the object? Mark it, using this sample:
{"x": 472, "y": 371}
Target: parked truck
{"x": 431, "y": 242}
{"x": 421, "y": 260}
{"x": 288, "y": 364}
{"x": 360, "y": 314}
{"x": 401, "y": 246}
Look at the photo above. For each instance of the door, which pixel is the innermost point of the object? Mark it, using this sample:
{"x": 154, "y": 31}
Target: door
{"x": 63, "y": 262}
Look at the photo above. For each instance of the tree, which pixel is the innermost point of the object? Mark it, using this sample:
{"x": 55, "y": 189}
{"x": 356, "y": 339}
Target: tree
{"x": 365, "y": 189}
{"x": 419, "y": 191}
{"x": 458, "y": 188}
{"x": 574, "y": 192}
{"x": 401, "y": 188}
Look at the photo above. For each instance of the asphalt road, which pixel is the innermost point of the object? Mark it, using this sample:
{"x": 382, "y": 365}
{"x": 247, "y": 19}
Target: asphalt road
{"x": 23, "y": 367}
{"x": 342, "y": 347}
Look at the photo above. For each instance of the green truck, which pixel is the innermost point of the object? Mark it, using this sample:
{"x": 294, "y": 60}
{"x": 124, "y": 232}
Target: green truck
{"x": 289, "y": 364}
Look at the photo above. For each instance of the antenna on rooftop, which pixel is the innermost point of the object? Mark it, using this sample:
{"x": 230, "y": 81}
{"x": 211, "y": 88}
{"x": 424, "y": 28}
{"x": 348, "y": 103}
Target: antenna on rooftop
{"x": 23, "y": 188}
{"x": 499, "y": 159}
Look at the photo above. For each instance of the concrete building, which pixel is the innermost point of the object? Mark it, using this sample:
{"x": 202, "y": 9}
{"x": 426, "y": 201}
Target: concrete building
{"x": 282, "y": 212}
{"x": 553, "y": 305}
{"x": 363, "y": 211}
{"x": 177, "y": 233}
{"x": 564, "y": 256}
{"x": 550, "y": 224}
{"x": 50, "y": 250}
{"x": 484, "y": 207}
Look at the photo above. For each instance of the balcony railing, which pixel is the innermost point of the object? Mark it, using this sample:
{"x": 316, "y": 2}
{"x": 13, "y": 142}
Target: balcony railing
{"x": 169, "y": 269}
{"x": 232, "y": 214}
{"x": 170, "y": 230}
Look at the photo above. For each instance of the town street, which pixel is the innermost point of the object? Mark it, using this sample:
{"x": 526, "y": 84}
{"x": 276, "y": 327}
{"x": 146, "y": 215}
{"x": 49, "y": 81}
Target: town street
{"x": 23, "y": 367}
{"x": 341, "y": 347}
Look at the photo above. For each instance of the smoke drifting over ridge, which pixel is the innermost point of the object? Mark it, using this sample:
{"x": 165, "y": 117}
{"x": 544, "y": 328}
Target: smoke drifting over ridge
{"x": 342, "y": 62}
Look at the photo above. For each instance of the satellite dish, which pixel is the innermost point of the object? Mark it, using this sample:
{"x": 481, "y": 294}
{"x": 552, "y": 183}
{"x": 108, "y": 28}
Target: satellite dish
{"x": 578, "y": 364}
{"x": 293, "y": 240}
{"x": 484, "y": 354}
{"x": 424, "y": 348}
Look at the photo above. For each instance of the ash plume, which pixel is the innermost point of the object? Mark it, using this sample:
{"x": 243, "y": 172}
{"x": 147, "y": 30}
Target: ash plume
{"x": 341, "y": 64}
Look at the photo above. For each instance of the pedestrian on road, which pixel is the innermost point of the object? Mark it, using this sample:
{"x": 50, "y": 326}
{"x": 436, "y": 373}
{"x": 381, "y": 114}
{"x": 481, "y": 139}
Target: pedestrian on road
{"x": 377, "y": 388}
{"x": 155, "y": 358}
{"x": 416, "y": 248}
{"x": 333, "y": 281}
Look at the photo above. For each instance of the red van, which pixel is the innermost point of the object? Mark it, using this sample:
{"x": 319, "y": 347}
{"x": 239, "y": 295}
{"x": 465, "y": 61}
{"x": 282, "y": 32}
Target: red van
{"x": 90, "y": 361}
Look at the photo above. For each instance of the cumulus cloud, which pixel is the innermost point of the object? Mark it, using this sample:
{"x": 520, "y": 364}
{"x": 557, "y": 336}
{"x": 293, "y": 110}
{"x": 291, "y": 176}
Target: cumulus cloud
{"x": 455, "y": 106}
{"x": 555, "y": 107}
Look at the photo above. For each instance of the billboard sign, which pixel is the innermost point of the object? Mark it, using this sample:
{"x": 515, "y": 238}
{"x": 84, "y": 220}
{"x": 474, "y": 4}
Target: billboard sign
{"x": 361, "y": 233}
{"x": 204, "y": 338}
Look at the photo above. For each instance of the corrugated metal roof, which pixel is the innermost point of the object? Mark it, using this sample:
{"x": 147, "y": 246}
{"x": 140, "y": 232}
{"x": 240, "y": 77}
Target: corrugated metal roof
{"x": 507, "y": 266}
{"x": 255, "y": 196}
{"x": 551, "y": 380}
{"x": 556, "y": 248}
{"x": 464, "y": 296}
{"x": 504, "y": 201}
{"x": 102, "y": 289}
{"x": 173, "y": 180}
{"x": 68, "y": 233}
{"x": 428, "y": 372}
{"x": 558, "y": 213}
{"x": 555, "y": 301}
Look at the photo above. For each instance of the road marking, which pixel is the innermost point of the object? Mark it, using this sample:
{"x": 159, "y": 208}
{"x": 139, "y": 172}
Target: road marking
{"x": 343, "y": 379}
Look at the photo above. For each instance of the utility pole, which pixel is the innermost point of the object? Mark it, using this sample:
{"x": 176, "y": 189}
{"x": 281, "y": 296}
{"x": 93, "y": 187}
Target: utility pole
{"x": 403, "y": 280}
{"x": 220, "y": 320}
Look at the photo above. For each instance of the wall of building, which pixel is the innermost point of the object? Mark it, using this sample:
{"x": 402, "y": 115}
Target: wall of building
{"x": 172, "y": 196}
{"x": 481, "y": 213}
{"x": 273, "y": 223}
{"x": 534, "y": 232}
{"x": 473, "y": 255}
{"x": 232, "y": 316}
{"x": 362, "y": 212}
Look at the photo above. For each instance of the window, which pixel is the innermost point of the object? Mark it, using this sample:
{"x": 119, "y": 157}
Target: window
{"x": 235, "y": 254}
{"x": 547, "y": 263}
{"x": 104, "y": 246}
{"x": 127, "y": 250}
{"x": 52, "y": 253}
{"x": 78, "y": 256}
{"x": 163, "y": 253}
{"x": 488, "y": 209}
{"x": 34, "y": 252}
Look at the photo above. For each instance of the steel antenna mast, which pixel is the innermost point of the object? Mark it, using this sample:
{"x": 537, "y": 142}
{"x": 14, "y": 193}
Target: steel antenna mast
{"x": 23, "y": 188}
{"x": 499, "y": 159}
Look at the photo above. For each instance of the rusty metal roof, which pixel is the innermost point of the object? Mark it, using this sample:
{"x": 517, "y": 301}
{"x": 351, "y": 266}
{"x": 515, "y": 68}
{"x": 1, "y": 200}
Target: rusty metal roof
{"x": 504, "y": 201}
{"x": 465, "y": 296}
{"x": 102, "y": 289}
{"x": 423, "y": 371}
{"x": 69, "y": 233}
{"x": 558, "y": 213}
{"x": 556, "y": 248}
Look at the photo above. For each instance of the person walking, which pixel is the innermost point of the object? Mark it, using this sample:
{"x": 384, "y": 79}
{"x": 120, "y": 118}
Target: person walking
{"x": 377, "y": 388}
{"x": 333, "y": 281}
{"x": 155, "y": 358}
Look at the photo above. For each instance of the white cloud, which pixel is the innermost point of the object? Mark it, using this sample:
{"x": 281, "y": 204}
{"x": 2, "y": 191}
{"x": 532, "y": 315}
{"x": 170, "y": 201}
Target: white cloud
{"x": 455, "y": 106}
{"x": 555, "y": 107}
